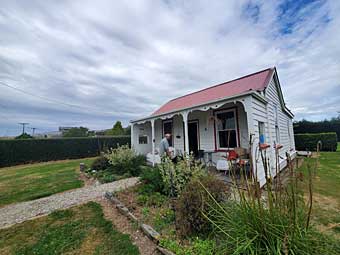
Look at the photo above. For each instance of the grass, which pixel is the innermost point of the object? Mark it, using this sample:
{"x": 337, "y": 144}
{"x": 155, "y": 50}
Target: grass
{"x": 32, "y": 181}
{"x": 79, "y": 230}
{"x": 326, "y": 210}
{"x": 338, "y": 148}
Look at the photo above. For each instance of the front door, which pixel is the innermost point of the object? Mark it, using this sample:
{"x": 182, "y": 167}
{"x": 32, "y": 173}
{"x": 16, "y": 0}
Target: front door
{"x": 167, "y": 129}
{"x": 193, "y": 137}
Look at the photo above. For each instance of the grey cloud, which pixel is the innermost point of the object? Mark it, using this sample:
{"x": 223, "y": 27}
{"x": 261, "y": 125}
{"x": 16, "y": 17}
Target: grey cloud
{"x": 128, "y": 58}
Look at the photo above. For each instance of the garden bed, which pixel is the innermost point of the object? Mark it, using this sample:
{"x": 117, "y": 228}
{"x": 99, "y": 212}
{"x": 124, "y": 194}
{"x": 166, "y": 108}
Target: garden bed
{"x": 115, "y": 164}
{"x": 161, "y": 218}
{"x": 152, "y": 205}
{"x": 196, "y": 223}
{"x": 155, "y": 210}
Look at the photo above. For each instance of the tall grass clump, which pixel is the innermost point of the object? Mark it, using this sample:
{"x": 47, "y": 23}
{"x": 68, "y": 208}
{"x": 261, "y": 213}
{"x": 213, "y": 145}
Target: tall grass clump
{"x": 276, "y": 222}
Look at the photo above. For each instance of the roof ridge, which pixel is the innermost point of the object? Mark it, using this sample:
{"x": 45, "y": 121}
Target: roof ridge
{"x": 223, "y": 83}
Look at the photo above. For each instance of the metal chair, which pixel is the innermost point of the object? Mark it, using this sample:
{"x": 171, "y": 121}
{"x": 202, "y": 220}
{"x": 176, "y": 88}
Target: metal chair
{"x": 200, "y": 156}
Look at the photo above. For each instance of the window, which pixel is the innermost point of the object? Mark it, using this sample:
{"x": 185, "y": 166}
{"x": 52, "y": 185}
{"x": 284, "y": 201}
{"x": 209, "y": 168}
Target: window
{"x": 277, "y": 133}
{"x": 143, "y": 139}
{"x": 289, "y": 134}
{"x": 167, "y": 129}
{"x": 226, "y": 129}
{"x": 276, "y": 119}
{"x": 261, "y": 133}
{"x": 276, "y": 114}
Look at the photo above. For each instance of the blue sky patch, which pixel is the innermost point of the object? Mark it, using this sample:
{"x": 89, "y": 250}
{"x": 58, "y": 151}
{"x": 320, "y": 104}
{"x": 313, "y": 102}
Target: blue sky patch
{"x": 293, "y": 12}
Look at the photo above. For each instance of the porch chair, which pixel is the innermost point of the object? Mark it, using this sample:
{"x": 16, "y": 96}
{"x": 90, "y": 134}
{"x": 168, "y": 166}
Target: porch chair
{"x": 200, "y": 156}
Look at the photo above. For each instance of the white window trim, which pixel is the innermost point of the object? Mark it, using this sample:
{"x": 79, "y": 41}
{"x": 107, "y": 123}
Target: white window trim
{"x": 217, "y": 133}
{"x": 277, "y": 134}
{"x": 147, "y": 139}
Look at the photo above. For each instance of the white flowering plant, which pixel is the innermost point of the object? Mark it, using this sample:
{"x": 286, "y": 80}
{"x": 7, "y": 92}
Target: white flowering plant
{"x": 176, "y": 176}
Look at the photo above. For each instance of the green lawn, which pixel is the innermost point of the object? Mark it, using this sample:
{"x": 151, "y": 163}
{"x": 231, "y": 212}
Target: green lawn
{"x": 79, "y": 230}
{"x": 32, "y": 181}
{"x": 338, "y": 149}
{"x": 326, "y": 210}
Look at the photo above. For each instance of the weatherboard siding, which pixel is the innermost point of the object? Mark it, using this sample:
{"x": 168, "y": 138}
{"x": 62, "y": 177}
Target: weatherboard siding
{"x": 285, "y": 124}
{"x": 142, "y": 129}
{"x": 259, "y": 114}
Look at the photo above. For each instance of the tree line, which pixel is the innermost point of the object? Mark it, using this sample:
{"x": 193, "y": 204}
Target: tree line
{"x": 116, "y": 130}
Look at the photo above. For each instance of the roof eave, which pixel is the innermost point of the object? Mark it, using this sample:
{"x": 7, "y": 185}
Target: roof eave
{"x": 248, "y": 93}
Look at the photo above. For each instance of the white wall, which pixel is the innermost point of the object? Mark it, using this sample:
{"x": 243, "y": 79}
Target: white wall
{"x": 285, "y": 122}
{"x": 259, "y": 114}
{"x": 142, "y": 129}
{"x": 266, "y": 113}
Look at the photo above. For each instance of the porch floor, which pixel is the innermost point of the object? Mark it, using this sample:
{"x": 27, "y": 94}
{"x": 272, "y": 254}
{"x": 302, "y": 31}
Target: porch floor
{"x": 230, "y": 179}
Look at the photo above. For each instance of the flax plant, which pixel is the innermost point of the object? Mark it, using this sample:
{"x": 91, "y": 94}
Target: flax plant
{"x": 278, "y": 222}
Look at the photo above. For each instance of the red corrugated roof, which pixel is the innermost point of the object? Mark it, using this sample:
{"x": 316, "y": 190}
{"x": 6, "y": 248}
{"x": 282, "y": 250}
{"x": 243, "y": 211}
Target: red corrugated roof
{"x": 256, "y": 81}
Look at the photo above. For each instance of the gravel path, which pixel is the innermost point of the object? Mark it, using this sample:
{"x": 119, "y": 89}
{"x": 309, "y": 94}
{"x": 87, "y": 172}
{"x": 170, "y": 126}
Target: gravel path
{"x": 17, "y": 213}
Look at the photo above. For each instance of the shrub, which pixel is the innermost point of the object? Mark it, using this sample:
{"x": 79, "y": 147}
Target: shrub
{"x": 164, "y": 218}
{"x": 310, "y": 141}
{"x": 107, "y": 177}
{"x": 100, "y": 163}
{"x": 155, "y": 199}
{"x": 14, "y": 152}
{"x": 124, "y": 160}
{"x": 196, "y": 247}
{"x": 176, "y": 176}
{"x": 193, "y": 202}
{"x": 152, "y": 181}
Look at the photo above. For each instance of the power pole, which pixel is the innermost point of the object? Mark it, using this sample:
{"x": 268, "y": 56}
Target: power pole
{"x": 23, "y": 126}
{"x": 33, "y": 130}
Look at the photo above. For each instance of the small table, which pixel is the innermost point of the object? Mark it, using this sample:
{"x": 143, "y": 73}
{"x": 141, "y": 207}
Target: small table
{"x": 209, "y": 154}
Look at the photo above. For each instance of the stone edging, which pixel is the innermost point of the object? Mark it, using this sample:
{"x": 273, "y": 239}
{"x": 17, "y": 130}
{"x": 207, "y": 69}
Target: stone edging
{"x": 147, "y": 229}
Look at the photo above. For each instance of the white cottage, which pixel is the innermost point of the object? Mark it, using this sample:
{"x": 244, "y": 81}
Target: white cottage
{"x": 221, "y": 118}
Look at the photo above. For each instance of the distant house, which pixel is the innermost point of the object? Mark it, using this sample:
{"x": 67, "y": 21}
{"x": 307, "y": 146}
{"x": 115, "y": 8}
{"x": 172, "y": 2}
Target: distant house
{"x": 223, "y": 118}
{"x": 64, "y": 129}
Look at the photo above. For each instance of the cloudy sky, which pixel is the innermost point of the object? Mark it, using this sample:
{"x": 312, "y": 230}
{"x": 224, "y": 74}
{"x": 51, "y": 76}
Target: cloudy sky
{"x": 90, "y": 63}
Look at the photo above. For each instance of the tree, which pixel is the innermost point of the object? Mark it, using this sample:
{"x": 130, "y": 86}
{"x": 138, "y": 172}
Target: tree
{"x": 24, "y": 136}
{"x": 116, "y": 130}
{"x": 127, "y": 130}
{"x": 76, "y": 132}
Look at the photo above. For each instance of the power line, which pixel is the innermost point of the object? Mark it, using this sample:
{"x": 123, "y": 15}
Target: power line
{"x": 38, "y": 96}
{"x": 55, "y": 101}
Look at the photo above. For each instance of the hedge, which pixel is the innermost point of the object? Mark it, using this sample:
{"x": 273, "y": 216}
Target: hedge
{"x": 309, "y": 141}
{"x": 325, "y": 126}
{"x": 14, "y": 152}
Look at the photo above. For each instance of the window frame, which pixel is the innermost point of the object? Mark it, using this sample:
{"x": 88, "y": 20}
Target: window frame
{"x": 277, "y": 134}
{"x": 262, "y": 130}
{"x": 217, "y": 141}
{"x": 147, "y": 139}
